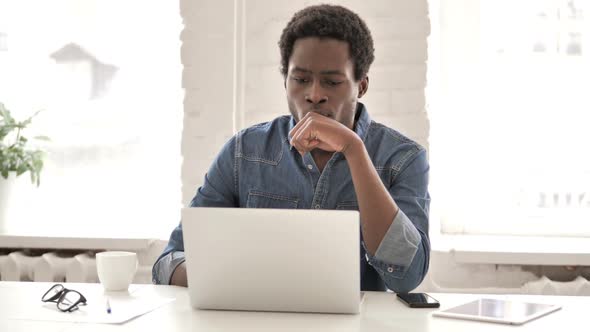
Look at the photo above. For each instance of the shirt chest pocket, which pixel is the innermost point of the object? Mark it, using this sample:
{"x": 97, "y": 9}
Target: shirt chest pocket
{"x": 263, "y": 200}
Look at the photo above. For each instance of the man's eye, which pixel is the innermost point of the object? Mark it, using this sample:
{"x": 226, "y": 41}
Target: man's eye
{"x": 300, "y": 80}
{"x": 333, "y": 83}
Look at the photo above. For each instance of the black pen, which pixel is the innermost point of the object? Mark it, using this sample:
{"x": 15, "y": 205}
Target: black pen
{"x": 108, "y": 306}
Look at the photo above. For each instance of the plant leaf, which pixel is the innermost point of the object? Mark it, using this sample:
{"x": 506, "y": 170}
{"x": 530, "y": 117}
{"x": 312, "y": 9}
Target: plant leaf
{"x": 14, "y": 155}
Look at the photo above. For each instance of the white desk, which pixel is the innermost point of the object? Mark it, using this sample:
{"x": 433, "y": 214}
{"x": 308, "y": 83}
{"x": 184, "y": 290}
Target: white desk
{"x": 380, "y": 312}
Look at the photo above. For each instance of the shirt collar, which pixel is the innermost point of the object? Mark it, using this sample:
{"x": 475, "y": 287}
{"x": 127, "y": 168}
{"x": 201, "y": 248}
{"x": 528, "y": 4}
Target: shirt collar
{"x": 363, "y": 121}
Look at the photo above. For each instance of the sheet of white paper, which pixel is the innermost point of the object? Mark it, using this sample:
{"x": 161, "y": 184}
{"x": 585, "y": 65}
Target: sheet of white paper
{"x": 124, "y": 306}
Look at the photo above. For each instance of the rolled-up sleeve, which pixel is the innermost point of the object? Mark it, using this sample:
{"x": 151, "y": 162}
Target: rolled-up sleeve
{"x": 400, "y": 242}
{"x": 165, "y": 267}
{"x": 403, "y": 255}
{"x": 169, "y": 260}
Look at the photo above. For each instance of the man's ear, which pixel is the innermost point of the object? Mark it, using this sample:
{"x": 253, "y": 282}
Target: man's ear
{"x": 363, "y": 86}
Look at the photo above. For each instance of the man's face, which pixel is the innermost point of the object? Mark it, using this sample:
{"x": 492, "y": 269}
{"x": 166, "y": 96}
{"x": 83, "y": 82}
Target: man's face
{"x": 320, "y": 79}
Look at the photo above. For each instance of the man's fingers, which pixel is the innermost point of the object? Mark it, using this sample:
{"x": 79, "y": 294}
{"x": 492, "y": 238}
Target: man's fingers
{"x": 304, "y": 136}
{"x": 305, "y": 133}
{"x": 297, "y": 145}
{"x": 299, "y": 124}
{"x": 297, "y": 134}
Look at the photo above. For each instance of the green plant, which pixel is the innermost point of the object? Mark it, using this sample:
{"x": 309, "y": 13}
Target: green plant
{"x": 15, "y": 154}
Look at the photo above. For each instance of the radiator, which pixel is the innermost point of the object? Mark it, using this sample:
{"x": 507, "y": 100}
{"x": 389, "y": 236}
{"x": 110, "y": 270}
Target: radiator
{"x": 546, "y": 286}
{"x": 580, "y": 286}
{"x": 56, "y": 266}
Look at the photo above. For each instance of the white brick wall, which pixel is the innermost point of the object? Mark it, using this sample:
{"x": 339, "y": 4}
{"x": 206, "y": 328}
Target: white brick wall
{"x": 229, "y": 87}
{"x": 208, "y": 57}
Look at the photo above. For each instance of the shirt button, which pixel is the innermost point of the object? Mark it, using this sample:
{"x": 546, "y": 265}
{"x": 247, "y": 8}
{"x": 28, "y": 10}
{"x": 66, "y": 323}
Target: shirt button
{"x": 317, "y": 206}
{"x": 390, "y": 269}
{"x": 309, "y": 167}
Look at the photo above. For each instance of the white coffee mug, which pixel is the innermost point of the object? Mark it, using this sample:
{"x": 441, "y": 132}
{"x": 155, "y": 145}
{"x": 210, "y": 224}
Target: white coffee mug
{"x": 116, "y": 269}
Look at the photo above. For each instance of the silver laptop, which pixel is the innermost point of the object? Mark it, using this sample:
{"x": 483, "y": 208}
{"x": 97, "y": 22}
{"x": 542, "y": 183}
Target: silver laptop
{"x": 272, "y": 259}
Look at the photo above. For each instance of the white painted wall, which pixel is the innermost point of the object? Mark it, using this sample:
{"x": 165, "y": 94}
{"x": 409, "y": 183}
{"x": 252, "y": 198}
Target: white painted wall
{"x": 232, "y": 80}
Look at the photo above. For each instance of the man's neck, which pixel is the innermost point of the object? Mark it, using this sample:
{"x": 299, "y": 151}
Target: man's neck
{"x": 321, "y": 158}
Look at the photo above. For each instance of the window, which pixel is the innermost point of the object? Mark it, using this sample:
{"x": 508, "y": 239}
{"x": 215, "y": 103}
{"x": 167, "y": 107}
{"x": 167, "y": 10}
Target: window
{"x": 509, "y": 110}
{"x": 106, "y": 75}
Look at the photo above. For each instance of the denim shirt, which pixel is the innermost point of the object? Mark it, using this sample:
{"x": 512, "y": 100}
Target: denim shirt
{"x": 257, "y": 168}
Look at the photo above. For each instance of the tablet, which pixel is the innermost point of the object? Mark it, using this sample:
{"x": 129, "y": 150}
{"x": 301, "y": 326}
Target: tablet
{"x": 499, "y": 311}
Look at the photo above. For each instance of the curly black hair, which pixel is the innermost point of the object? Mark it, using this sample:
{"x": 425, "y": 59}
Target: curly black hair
{"x": 330, "y": 21}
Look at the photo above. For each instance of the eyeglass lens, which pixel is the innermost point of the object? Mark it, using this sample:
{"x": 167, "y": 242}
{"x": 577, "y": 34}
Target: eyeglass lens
{"x": 53, "y": 293}
{"x": 68, "y": 300}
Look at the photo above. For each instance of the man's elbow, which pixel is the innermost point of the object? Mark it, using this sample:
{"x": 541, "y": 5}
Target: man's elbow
{"x": 414, "y": 275}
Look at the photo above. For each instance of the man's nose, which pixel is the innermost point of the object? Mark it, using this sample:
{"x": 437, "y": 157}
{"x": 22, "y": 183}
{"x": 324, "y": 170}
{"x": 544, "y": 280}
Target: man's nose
{"x": 316, "y": 94}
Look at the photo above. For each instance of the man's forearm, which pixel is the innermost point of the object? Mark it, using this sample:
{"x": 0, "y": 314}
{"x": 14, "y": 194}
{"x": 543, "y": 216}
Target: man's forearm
{"x": 377, "y": 208}
{"x": 179, "y": 276}
{"x": 165, "y": 267}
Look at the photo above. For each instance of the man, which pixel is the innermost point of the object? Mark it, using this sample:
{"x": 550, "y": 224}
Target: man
{"x": 328, "y": 154}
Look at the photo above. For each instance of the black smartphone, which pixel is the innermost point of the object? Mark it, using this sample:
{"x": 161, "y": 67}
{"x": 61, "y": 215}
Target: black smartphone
{"x": 418, "y": 300}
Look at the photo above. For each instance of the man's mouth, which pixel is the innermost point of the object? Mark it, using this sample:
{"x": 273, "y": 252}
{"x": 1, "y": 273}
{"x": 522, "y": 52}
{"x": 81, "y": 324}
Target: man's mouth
{"x": 322, "y": 113}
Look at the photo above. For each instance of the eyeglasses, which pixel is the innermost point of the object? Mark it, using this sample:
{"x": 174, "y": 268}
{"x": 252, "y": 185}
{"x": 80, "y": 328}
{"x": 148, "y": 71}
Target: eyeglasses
{"x": 67, "y": 299}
